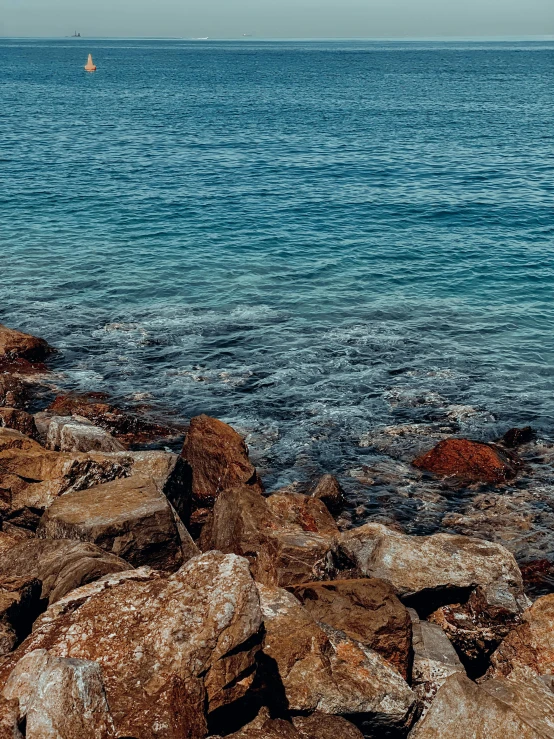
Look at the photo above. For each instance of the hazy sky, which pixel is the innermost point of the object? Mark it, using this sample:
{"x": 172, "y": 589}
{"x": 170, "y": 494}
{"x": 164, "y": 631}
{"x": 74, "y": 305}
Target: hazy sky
{"x": 277, "y": 18}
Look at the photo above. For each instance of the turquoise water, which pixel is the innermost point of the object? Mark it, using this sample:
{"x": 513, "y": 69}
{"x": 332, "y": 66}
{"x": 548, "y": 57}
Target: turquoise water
{"x": 311, "y": 240}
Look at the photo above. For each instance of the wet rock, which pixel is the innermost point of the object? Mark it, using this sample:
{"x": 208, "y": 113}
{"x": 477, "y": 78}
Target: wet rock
{"x": 463, "y": 710}
{"x": 329, "y": 491}
{"x": 17, "y": 345}
{"x": 169, "y": 648}
{"x": 435, "y": 659}
{"x": 129, "y": 518}
{"x": 13, "y": 393}
{"x": 321, "y": 669}
{"x": 430, "y": 571}
{"x": 19, "y": 607}
{"x": 302, "y": 512}
{"x": 367, "y": 611}
{"x": 61, "y": 565}
{"x": 531, "y": 644}
{"x": 470, "y": 461}
{"x": 475, "y": 629}
{"x": 218, "y": 460}
{"x": 68, "y": 434}
{"x": 279, "y": 553}
{"x": 517, "y": 437}
{"x": 21, "y": 421}
{"x": 59, "y": 697}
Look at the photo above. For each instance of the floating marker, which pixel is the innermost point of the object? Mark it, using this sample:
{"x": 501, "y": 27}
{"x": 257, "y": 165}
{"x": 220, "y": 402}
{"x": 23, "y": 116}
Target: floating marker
{"x": 90, "y": 66}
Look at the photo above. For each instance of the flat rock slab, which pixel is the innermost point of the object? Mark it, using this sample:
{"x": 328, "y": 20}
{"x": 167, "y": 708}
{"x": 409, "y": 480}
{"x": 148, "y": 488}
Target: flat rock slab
{"x": 425, "y": 570}
{"x": 169, "y": 648}
{"x": 129, "y": 518}
{"x": 366, "y": 610}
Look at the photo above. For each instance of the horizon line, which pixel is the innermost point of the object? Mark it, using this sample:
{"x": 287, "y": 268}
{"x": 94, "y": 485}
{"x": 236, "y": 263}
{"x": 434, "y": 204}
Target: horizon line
{"x": 251, "y": 38}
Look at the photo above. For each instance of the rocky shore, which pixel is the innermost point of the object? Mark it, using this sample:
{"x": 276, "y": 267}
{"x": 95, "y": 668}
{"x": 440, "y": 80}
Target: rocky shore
{"x": 147, "y": 594}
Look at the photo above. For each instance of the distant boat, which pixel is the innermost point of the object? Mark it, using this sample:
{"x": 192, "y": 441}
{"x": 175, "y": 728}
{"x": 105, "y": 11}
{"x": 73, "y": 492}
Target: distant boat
{"x": 90, "y": 66}
{"x": 76, "y": 35}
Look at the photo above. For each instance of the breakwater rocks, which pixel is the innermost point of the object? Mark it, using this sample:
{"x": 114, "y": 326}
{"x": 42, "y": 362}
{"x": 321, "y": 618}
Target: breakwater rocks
{"x": 149, "y": 594}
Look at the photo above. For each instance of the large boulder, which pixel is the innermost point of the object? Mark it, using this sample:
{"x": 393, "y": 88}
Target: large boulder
{"x": 303, "y": 513}
{"x": 169, "y": 648}
{"x": 61, "y": 565}
{"x": 19, "y": 607}
{"x": 430, "y": 571}
{"x": 13, "y": 418}
{"x": 367, "y": 611}
{"x": 129, "y": 517}
{"x": 59, "y": 697}
{"x": 470, "y": 461}
{"x": 68, "y": 434}
{"x": 218, "y": 460}
{"x": 17, "y": 345}
{"x": 531, "y": 644}
{"x": 517, "y": 710}
{"x": 280, "y": 551}
{"x": 321, "y": 669}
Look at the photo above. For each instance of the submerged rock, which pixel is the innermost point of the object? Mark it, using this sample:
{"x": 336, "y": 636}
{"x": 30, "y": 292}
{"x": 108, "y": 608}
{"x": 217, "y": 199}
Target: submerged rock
{"x": 218, "y": 460}
{"x": 17, "y": 345}
{"x": 517, "y": 437}
{"x": 430, "y": 571}
{"x": 470, "y": 461}
{"x": 367, "y": 611}
{"x": 169, "y": 648}
{"x": 321, "y": 669}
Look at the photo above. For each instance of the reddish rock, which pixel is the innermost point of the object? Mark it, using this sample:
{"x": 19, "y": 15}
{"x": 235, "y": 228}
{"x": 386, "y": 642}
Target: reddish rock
{"x": 329, "y": 491}
{"x": 17, "y": 345}
{"x": 470, "y": 461}
{"x": 538, "y": 577}
{"x": 279, "y": 552}
{"x": 19, "y": 607}
{"x": 61, "y": 565}
{"x": 13, "y": 393}
{"x": 531, "y": 644}
{"x": 12, "y": 418}
{"x": 367, "y": 611}
{"x": 301, "y": 512}
{"x": 218, "y": 459}
{"x": 130, "y": 518}
{"x": 316, "y": 726}
{"x": 169, "y": 648}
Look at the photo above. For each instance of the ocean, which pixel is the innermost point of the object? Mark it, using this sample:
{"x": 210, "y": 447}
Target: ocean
{"x": 342, "y": 248}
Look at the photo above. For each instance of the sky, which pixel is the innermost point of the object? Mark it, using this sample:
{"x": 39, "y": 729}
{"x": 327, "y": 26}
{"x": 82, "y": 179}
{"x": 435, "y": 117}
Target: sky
{"x": 278, "y": 18}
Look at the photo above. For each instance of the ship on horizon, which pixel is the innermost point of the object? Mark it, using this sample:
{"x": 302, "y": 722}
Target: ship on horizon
{"x": 76, "y": 35}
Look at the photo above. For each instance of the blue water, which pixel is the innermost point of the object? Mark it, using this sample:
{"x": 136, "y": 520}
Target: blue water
{"x": 311, "y": 240}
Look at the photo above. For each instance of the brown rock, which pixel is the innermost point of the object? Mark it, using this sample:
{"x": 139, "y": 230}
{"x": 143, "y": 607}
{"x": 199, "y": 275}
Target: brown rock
{"x": 129, "y": 518}
{"x": 321, "y": 669}
{"x": 265, "y": 727}
{"x": 12, "y": 418}
{"x": 463, "y": 710}
{"x": 68, "y": 434}
{"x": 60, "y": 697}
{"x": 167, "y": 647}
{"x": 17, "y": 345}
{"x": 329, "y": 491}
{"x": 60, "y": 564}
{"x": 9, "y": 719}
{"x": 517, "y": 437}
{"x": 19, "y": 606}
{"x": 430, "y": 571}
{"x": 13, "y": 393}
{"x": 243, "y": 523}
{"x": 531, "y": 644}
{"x": 303, "y": 513}
{"x": 323, "y": 726}
{"x": 470, "y": 461}
{"x": 218, "y": 460}
{"x": 367, "y": 611}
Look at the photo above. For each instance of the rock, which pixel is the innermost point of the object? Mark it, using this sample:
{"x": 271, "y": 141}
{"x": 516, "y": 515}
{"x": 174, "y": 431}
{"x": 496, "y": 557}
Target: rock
{"x": 73, "y": 435}
{"x": 435, "y": 659}
{"x": 169, "y": 648}
{"x": 95, "y": 408}
{"x": 329, "y": 491}
{"x": 218, "y": 460}
{"x": 321, "y": 669}
{"x": 21, "y": 421}
{"x": 430, "y": 571}
{"x": 279, "y": 554}
{"x": 531, "y": 644}
{"x": 538, "y": 577}
{"x": 9, "y": 719}
{"x": 19, "y": 607}
{"x": 7, "y": 542}
{"x": 264, "y": 727}
{"x": 475, "y": 629}
{"x": 463, "y": 710}
{"x": 59, "y": 697}
{"x": 367, "y": 611}
{"x": 61, "y": 565}
{"x": 129, "y": 518}
{"x": 470, "y": 461}
{"x": 303, "y": 513}
{"x": 323, "y": 726}
{"x": 13, "y": 393}
{"x": 17, "y": 345}
{"x": 517, "y": 437}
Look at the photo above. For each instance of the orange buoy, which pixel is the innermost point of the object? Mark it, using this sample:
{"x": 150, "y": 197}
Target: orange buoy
{"x": 90, "y": 66}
